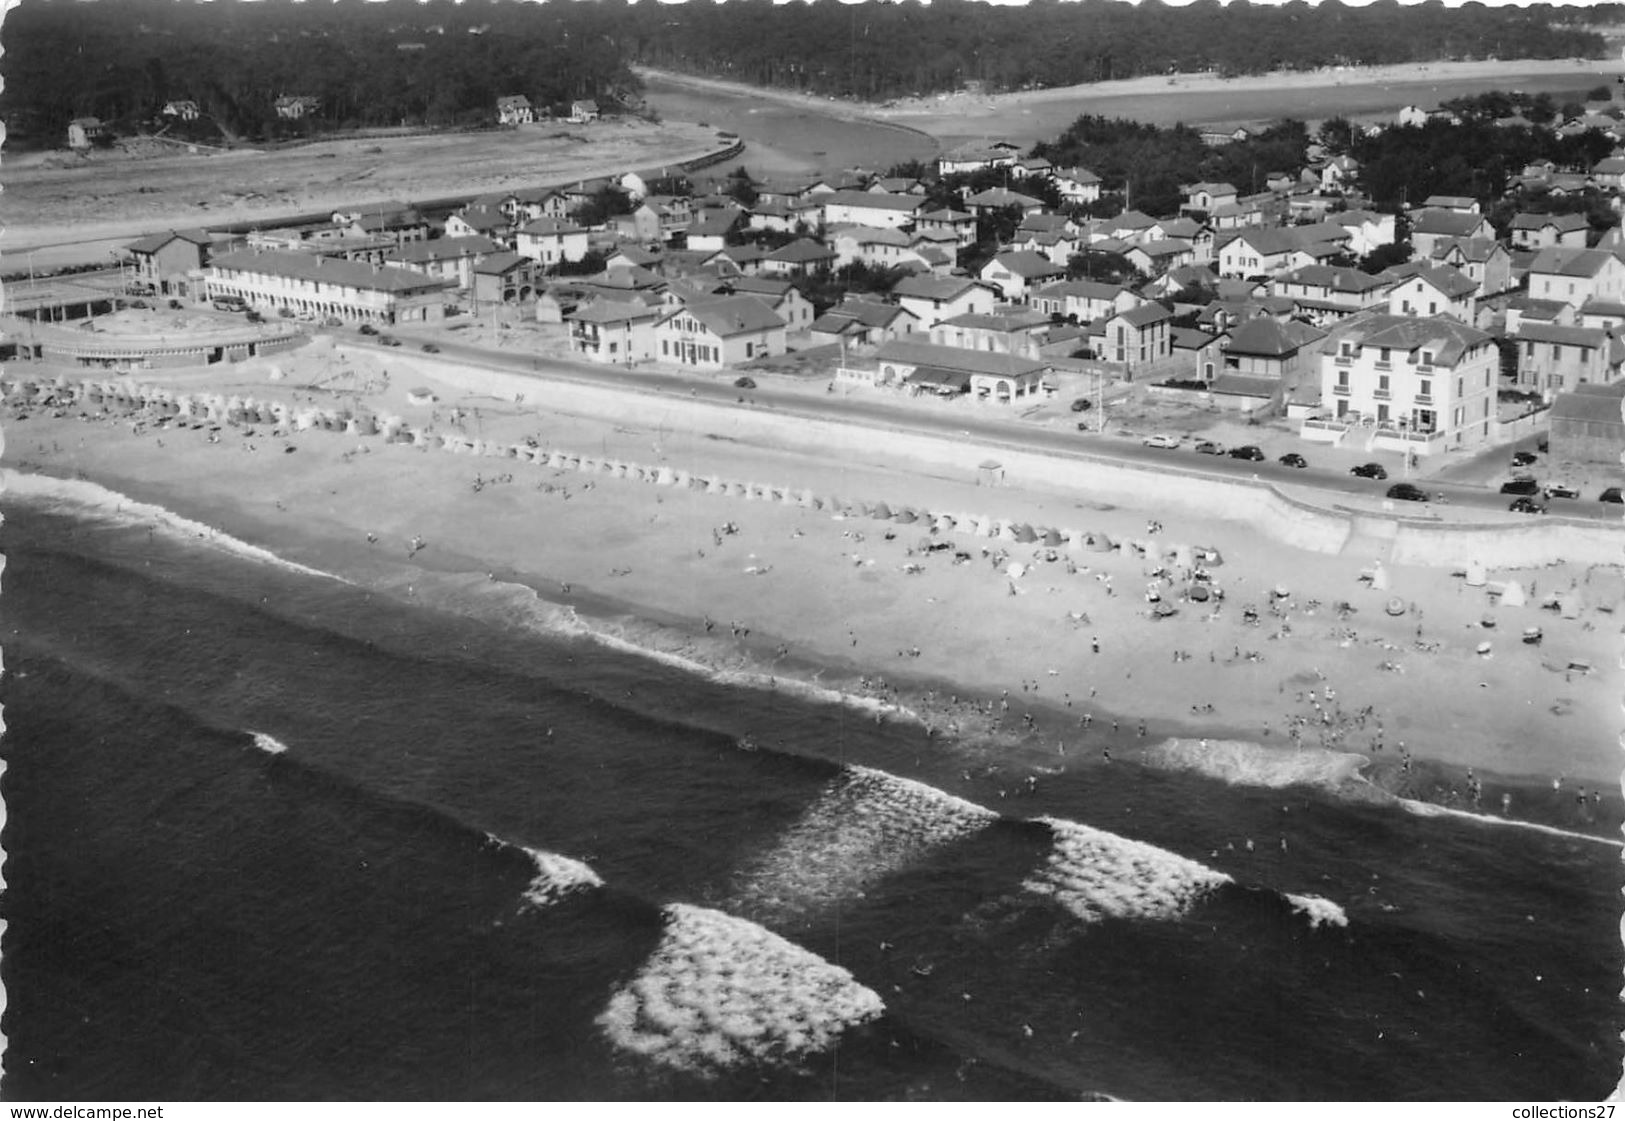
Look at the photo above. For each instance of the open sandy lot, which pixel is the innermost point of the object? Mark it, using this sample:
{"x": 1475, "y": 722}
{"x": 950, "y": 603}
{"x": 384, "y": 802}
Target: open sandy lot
{"x": 1358, "y": 92}
{"x": 1321, "y": 677}
{"x": 109, "y": 195}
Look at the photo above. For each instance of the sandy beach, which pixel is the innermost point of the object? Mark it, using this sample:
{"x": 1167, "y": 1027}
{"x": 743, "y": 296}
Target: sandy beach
{"x": 1020, "y": 654}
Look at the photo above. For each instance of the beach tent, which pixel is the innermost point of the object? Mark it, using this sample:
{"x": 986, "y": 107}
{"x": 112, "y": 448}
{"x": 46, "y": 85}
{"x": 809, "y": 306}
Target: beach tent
{"x": 1100, "y": 543}
{"x": 1568, "y": 604}
{"x": 880, "y": 511}
{"x": 1052, "y": 537}
{"x": 1006, "y": 531}
{"x": 985, "y": 527}
{"x": 1015, "y": 570}
{"x": 1475, "y": 574}
{"x": 905, "y": 516}
{"x": 1184, "y": 556}
{"x": 1197, "y": 592}
{"x": 1512, "y": 594}
{"x": 1024, "y": 534}
{"x": 943, "y": 524}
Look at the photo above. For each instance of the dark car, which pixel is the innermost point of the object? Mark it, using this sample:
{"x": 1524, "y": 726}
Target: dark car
{"x": 1561, "y": 490}
{"x": 368, "y": 329}
{"x": 1082, "y": 404}
{"x": 1521, "y": 486}
{"x": 1210, "y": 447}
{"x": 1407, "y": 492}
{"x": 1523, "y": 459}
{"x": 1248, "y": 451}
{"x": 744, "y": 383}
{"x": 1526, "y": 505}
{"x": 1293, "y": 459}
{"x": 430, "y": 348}
{"x": 1612, "y": 494}
{"x": 1370, "y": 471}
{"x": 1085, "y": 426}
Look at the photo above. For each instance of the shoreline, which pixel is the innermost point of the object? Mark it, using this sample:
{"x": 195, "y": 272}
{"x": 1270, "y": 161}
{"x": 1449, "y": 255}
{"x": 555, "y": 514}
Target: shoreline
{"x": 773, "y": 652}
{"x": 967, "y": 107}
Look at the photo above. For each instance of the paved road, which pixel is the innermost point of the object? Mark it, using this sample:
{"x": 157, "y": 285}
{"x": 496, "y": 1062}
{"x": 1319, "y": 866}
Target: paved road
{"x": 1012, "y": 432}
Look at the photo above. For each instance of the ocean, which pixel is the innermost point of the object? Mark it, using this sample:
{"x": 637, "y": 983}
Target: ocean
{"x": 276, "y": 835}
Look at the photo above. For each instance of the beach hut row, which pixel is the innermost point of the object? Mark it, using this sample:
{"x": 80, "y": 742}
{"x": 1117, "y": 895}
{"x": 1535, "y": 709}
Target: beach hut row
{"x": 240, "y": 410}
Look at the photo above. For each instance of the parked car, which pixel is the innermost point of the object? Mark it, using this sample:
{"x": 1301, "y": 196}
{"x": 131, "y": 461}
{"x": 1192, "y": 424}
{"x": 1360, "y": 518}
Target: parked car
{"x": 1526, "y": 505}
{"x": 389, "y": 340}
{"x": 1293, "y": 459}
{"x": 1370, "y": 471}
{"x": 1561, "y": 490}
{"x": 1082, "y": 404}
{"x": 1407, "y": 492}
{"x": 1161, "y": 440}
{"x": 1249, "y": 452}
{"x": 139, "y": 289}
{"x": 367, "y": 329}
{"x": 1085, "y": 426}
{"x": 1210, "y": 447}
{"x": 1612, "y": 494}
{"x": 1523, "y": 459}
{"x": 332, "y": 321}
{"x": 1520, "y": 486}
{"x": 253, "y": 316}
{"x": 744, "y": 383}
{"x": 430, "y": 348}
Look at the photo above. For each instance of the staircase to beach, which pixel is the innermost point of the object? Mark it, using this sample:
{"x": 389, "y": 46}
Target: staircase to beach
{"x": 1371, "y": 538}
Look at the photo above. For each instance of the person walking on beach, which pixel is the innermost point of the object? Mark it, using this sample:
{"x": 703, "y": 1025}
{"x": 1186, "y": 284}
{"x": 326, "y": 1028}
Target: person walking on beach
{"x": 1094, "y": 644}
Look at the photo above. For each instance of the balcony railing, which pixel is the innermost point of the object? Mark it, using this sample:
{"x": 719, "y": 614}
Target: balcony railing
{"x": 1343, "y": 360}
{"x": 1424, "y": 398}
{"x": 1340, "y": 390}
{"x": 1383, "y": 394}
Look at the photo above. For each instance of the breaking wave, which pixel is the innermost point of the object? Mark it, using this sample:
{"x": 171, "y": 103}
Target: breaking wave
{"x": 1097, "y": 875}
{"x": 866, "y": 824}
{"x": 556, "y": 877}
{"x": 719, "y": 992}
{"x": 1320, "y": 912}
{"x": 268, "y": 744}
{"x": 90, "y": 499}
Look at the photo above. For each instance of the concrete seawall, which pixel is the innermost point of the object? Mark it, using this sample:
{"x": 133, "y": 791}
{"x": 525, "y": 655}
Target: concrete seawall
{"x": 1285, "y": 519}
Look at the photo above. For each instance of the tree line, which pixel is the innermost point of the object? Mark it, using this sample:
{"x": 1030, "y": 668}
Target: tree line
{"x": 436, "y": 63}
{"x": 440, "y": 63}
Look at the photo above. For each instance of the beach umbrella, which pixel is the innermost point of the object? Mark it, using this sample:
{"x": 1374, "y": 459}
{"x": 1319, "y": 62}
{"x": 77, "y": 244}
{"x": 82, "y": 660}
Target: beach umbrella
{"x": 1395, "y": 606}
{"x": 1163, "y": 609}
{"x": 1197, "y": 592}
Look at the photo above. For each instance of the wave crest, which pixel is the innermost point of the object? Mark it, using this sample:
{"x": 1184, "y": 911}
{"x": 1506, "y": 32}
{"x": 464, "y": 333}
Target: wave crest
{"x": 720, "y": 991}
{"x": 1320, "y": 912}
{"x": 556, "y": 877}
{"x": 85, "y": 497}
{"x": 268, "y": 744}
{"x": 867, "y": 824}
{"x": 1096, "y": 875}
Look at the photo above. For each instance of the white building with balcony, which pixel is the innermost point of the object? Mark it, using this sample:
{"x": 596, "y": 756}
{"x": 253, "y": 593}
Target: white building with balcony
{"x": 315, "y": 287}
{"x": 1405, "y": 383}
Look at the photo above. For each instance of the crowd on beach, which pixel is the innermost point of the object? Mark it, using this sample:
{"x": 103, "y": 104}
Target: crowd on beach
{"x": 1058, "y": 716}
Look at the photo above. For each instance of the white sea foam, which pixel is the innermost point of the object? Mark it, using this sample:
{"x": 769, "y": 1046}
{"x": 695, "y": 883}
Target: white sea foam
{"x": 556, "y": 877}
{"x": 550, "y": 618}
{"x": 1320, "y": 912}
{"x": 1241, "y": 763}
{"x": 1095, "y": 875}
{"x": 268, "y": 744}
{"x": 1429, "y": 809}
{"x": 866, "y": 824}
{"x": 85, "y": 497}
{"x": 719, "y": 992}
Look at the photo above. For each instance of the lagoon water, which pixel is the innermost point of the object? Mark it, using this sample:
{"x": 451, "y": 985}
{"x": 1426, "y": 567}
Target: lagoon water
{"x": 273, "y": 835}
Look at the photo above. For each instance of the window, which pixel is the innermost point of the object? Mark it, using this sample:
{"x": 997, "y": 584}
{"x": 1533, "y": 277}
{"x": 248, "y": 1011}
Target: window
{"x": 1382, "y": 355}
{"x": 1433, "y": 308}
{"x": 1557, "y": 352}
{"x": 1382, "y": 383}
{"x": 1427, "y": 358}
{"x": 748, "y": 350}
{"x": 1427, "y": 388}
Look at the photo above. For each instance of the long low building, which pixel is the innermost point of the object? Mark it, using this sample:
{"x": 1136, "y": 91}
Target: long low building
{"x": 316, "y": 287}
{"x": 949, "y": 370}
